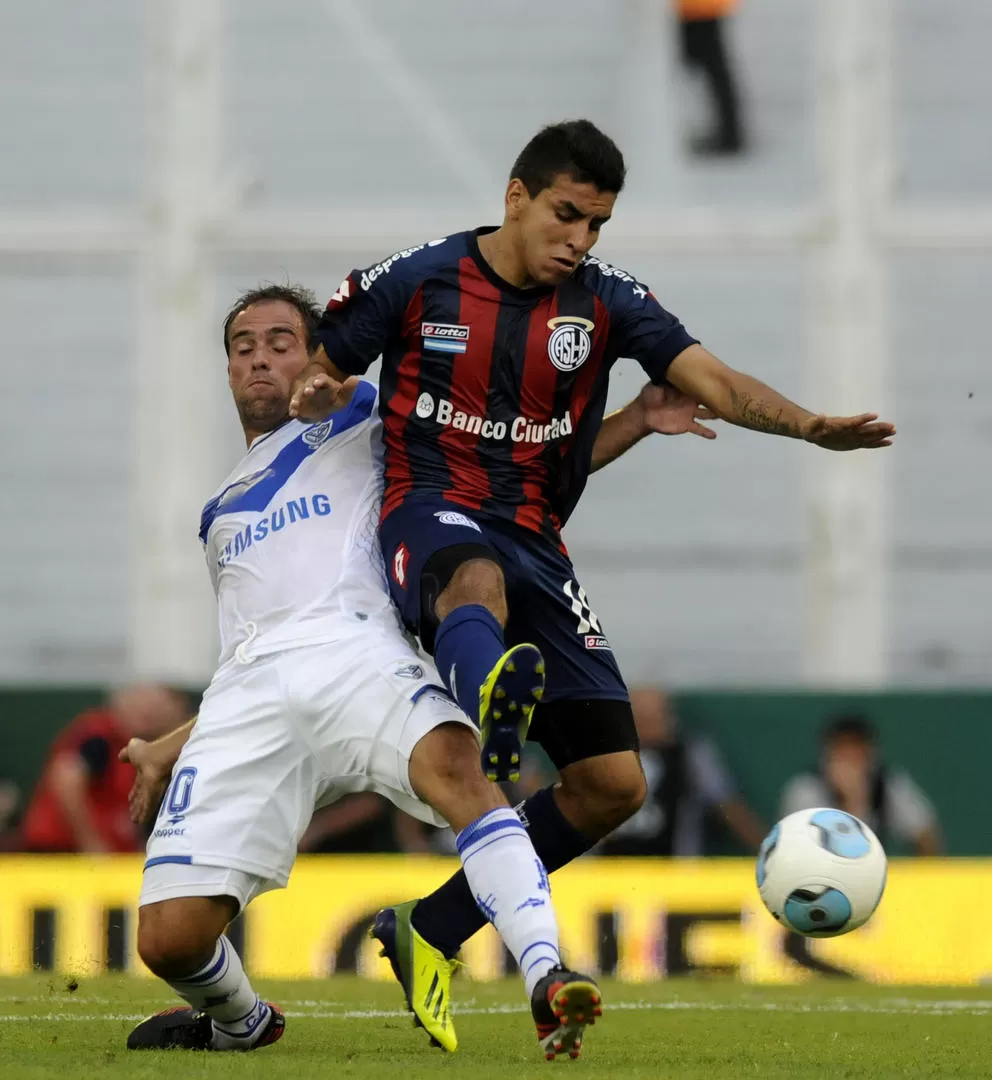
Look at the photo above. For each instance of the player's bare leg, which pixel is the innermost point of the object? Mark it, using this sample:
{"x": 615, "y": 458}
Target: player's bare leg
{"x": 497, "y": 687}
{"x": 477, "y": 581}
{"x": 598, "y": 794}
{"x": 505, "y": 878}
{"x": 182, "y": 941}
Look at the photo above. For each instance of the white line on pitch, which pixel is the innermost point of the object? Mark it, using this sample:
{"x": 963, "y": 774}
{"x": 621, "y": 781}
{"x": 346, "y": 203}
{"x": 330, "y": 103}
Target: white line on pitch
{"x": 904, "y": 1007}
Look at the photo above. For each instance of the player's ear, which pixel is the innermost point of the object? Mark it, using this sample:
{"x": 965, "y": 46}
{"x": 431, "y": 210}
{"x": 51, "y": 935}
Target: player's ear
{"x": 516, "y": 197}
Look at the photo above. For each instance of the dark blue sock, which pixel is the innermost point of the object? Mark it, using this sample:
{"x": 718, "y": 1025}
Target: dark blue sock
{"x": 468, "y": 645}
{"x": 450, "y": 916}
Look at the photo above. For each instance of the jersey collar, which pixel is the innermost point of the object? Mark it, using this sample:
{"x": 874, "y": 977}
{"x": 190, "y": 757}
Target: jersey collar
{"x": 259, "y": 439}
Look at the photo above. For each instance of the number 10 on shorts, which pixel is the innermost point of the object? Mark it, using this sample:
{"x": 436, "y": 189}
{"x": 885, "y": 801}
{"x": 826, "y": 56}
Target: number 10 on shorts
{"x": 180, "y": 794}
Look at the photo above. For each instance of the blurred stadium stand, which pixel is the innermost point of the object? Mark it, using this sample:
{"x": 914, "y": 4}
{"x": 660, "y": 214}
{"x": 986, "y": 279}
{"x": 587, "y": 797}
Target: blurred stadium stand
{"x": 693, "y": 555}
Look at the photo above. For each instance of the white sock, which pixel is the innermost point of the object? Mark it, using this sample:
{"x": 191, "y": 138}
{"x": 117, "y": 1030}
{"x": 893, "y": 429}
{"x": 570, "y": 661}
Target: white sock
{"x": 510, "y": 885}
{"x": 221, "y": 989}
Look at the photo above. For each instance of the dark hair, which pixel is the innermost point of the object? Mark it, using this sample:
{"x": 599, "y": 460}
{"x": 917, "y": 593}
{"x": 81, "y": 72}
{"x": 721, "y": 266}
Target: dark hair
{"x": 850, "y": 726}
{"x": 299, "y": 297}
{"x": 574, "y": 147}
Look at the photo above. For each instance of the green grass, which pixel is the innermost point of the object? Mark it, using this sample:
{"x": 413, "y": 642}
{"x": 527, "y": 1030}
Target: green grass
{"x": 709, "y": 1030}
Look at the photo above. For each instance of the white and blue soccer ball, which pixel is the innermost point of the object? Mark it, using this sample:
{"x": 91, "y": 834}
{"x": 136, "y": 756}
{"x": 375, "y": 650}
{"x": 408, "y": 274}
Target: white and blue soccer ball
{"x": 821, "y": 872}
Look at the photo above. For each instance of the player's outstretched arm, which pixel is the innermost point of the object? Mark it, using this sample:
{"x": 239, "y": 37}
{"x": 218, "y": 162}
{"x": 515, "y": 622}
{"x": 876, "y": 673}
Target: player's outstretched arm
{"x": 742, "y": 400}
{"x": 320, "y": 389}
{"x": 656, "y": 409}
{"x": 153, "y": 762}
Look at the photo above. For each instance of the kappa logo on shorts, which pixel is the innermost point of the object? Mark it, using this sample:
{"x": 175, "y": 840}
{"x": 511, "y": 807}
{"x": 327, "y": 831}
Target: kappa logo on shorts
{"x": 452, "y": 517}
{"x": 570, "y": 344}
{"x": 400, "y": 561}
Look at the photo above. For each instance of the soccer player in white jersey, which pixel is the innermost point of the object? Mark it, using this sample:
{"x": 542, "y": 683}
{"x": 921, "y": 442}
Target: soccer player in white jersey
{"x": 318, "y": 693}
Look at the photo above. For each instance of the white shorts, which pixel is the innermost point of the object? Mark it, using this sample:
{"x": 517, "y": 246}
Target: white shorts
{"x": 280, "y": 737}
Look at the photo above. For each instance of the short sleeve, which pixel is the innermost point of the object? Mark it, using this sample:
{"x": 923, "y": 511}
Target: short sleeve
{"x": 646, "y": 332}
{"x": 359, "y": 319}
{"x": 368, "y": 308}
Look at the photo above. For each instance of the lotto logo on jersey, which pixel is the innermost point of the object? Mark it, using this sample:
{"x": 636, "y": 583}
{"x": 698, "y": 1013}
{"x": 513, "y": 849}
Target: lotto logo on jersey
{"x": 570, "y": 344}
{"x": 444, "y": 337}
{"x": 400, "y": 562}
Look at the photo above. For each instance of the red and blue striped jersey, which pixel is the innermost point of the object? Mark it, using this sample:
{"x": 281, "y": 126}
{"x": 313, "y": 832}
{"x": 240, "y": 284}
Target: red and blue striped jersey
{"x": 492, "y": 395}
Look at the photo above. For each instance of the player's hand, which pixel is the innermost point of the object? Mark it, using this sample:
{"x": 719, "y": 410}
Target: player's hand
{"x": 316, "y": 396}
{"x": 864, "y": 432}
{"x": 150, "y": 781}
{"x": 666, "y": 410}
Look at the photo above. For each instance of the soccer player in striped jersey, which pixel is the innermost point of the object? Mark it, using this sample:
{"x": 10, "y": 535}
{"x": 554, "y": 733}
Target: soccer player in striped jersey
{"x": 497, "y": 346}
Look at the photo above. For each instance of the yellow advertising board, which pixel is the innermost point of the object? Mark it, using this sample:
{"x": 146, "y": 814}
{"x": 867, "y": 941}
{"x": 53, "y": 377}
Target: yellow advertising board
{"x": 645, "y": 919}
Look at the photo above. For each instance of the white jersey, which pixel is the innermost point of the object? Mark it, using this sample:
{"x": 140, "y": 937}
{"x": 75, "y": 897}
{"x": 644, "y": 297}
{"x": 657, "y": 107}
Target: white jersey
{"x": 291, "y": 536}
{"x": 319, "y": 692}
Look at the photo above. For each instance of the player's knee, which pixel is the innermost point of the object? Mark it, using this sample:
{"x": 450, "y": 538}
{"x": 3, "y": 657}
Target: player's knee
{"x": 172, "y": 941}
{"x": 172, "y": 952}
{"x": 618, "y": 798}
{"x": 477, "y": 581}
{"x": 448, "y": 756}
{"x": 445, "y": 772}
{"x": 604, "y": 792}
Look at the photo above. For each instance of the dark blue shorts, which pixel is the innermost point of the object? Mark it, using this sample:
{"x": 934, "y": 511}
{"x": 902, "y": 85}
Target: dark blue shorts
{"x": 547, "y": 605}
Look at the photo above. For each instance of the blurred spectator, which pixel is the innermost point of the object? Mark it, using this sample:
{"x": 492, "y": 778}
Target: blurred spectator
{"x": 702, "y": 36}
{"x": 80, "y": 802}
{"x": 10, "y": 799}
{"x": 686, "y": 778}
{"x": 851, "y": 777}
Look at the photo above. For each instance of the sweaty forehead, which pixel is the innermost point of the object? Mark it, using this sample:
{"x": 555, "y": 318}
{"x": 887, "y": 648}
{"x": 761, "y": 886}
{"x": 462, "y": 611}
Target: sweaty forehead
{"x": 586, "y": 197}
{"x": 261, "y": 317}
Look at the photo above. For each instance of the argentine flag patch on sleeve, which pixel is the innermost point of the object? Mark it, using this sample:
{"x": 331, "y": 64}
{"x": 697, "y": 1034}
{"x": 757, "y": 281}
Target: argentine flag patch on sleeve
{"x": 444, "y": 337}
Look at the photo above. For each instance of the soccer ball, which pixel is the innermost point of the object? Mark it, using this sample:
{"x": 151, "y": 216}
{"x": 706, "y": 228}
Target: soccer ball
{"x": 821, "y": 872}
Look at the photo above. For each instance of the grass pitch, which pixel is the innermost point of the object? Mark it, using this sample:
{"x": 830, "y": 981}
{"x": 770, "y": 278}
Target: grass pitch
{"x": 344, "y": 1027}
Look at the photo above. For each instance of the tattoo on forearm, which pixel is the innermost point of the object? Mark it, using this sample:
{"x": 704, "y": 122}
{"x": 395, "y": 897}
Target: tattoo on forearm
{"x": 758, "y": 415}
